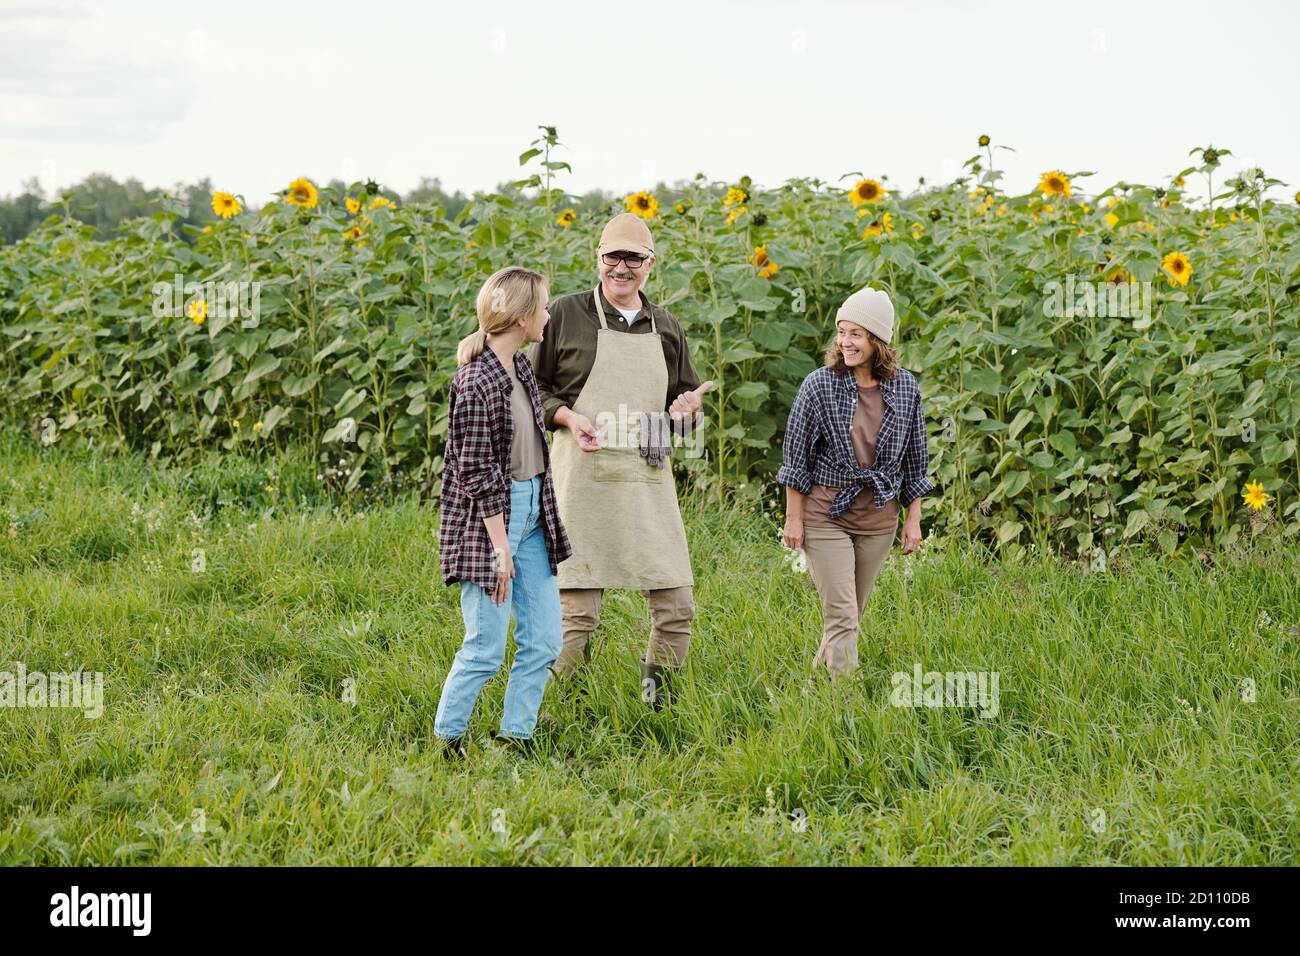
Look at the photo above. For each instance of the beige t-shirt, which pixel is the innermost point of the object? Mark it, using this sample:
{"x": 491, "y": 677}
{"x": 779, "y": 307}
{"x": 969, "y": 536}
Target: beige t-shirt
{"x": 527, "y": 459}
{"x": 862, "y": 515}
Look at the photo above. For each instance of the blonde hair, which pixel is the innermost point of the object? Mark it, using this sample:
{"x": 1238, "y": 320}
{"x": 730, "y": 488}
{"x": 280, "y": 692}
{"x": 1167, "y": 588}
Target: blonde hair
{"x": 509, "y": 294}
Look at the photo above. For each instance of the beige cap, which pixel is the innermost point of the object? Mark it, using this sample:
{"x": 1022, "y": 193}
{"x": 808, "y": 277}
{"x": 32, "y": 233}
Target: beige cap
{"x": 626, "y": 233}
{"x": 871, "y": 309}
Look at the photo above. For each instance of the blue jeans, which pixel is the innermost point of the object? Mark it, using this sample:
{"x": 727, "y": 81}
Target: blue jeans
{"x": 535, "y": 599}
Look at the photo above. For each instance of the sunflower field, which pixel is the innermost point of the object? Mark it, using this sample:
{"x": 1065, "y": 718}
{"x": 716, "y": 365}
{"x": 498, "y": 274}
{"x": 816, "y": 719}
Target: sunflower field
{"x": 1173, "y": 426}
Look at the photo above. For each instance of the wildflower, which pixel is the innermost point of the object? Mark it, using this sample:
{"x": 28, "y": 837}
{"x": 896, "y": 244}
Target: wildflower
{"x": 197, "y": 310}
{"x": 1253, "y": 495}
{"x": 867, "y": 191}
{"x": 1054, "y": 183}
{"x": 353, "y": 206}
{"x": 225, "y": 205}
{"x": 302, "y": 193}
{"x": 879, "y": 227}
{"x": 1178, "y": 267}
{"x": 566, "y": 218}
{"x": 761, "y": 261}
{"x": 642, "y": 204}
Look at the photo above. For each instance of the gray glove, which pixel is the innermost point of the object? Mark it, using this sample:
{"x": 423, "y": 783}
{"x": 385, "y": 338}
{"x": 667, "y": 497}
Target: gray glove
{"x": 656, "y": 445}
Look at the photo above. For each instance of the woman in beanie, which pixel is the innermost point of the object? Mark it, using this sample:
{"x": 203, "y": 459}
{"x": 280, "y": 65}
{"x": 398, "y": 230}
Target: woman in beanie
{"x": 855, "y": 451}
{"x": 500, "y": 535}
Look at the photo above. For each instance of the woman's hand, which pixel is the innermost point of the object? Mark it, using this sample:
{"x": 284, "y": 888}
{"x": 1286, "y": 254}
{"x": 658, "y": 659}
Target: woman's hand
{"x": 793, "y": 535}
{"x": 911, "y": 533}
{"x": 505, "y": 566}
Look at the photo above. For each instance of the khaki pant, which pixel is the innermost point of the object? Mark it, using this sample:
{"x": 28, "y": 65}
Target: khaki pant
{"x": 844, "y": 568}
{"x": 671, "y": 611}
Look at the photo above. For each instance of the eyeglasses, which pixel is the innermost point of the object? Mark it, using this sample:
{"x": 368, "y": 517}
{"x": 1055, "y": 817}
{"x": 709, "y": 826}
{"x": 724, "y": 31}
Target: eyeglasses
{"x": 631, "y": 259}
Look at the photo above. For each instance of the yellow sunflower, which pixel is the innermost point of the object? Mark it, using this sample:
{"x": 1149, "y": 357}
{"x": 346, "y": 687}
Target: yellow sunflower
{"x": 1112, "y": 220}
{"x": 225, "y": 205}
{"x": 1297, "y": 197}
{"x": 867, "y": 191}
{"x": 761, "y": 261}
{"x": 1178, "y": 267}
{"x": 302, "y": 193}
{"x": 918, "y": 230}
{"x": 197, "y": 310}
{"x": 735, "y": 196}
{"x": 1180, "y": 182}
{"x": 354, "y": 207}
{"x": 642, "y": 204}
{"x": 382, "y": 202}
{"x": 566, "y": 218}
{"x": 736, "y": 213}
{"x": 1253, "y": 495}
{"x": 207, "y": 228}
{"x": 879, "y": 227}
{"x": 1054, "y": 183}
{"x": 353, "y": 234}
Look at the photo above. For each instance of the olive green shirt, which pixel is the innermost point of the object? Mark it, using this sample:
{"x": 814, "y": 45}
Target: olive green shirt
{"x": 563, "y": 359}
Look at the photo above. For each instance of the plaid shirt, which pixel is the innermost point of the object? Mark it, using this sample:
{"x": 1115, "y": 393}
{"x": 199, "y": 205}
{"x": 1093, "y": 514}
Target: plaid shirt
{"x": 476, "y": 470}
{"x": 819, "y": 449}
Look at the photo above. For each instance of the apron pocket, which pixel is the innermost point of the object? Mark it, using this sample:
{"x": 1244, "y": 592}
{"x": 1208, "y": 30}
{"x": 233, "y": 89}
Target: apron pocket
{"x": 625, "y": 464}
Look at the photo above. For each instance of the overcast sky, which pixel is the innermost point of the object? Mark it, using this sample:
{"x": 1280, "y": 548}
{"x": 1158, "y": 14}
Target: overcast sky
{"x": 253, "y": 94}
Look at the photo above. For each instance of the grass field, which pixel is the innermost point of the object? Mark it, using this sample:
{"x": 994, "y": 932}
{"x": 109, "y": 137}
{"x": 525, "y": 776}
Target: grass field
{"x": 1125, "y": 733}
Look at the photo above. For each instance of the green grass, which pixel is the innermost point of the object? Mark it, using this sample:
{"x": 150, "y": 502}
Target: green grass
{"x": 1120, "y": 691}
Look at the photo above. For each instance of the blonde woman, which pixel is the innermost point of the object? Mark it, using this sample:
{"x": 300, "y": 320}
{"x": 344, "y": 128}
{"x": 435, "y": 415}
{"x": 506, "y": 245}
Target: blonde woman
{"x": 854, "y": 453}
{"x": 500, "y": 535}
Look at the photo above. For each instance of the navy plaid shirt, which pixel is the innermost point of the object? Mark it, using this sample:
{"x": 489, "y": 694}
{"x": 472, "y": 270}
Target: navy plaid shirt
{"x": 819, "y": 448}
{"x": 476, "y": 470}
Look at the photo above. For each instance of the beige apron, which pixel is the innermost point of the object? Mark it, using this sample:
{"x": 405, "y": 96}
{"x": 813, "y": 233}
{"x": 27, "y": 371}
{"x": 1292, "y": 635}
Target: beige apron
{"x": 620, "y": 513}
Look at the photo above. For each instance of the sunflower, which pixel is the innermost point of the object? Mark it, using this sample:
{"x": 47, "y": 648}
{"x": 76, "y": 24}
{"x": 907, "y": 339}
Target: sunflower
{"x": 382, "y": 202}
{"x": 761, "y": 261}
{"x": 302, "y": 193}
{"x": 1120, "y": 277}
{"x": 1112, "y": 220}
{"x": 735, "y": 196}
{"x": 207, "y": 228}
{"x": 354, "y": 207}
{"x": 566, "y": 218}
{"x": 682, "y": 208}
{"x": 1054, "y": 183}
{"x": 1253, "y": 495}
{"x": 197, "y": 310}
{"x": 642, "y": 204}
{"x": 736, "y": 214}
{"x": 1297, "y": 198}
{"x": 984, "y": 140}
{"x": 225, "y": 205}
{"x": 867, "y": 191}
{"x": 353, "y": 234}
{"x": 1180, "y": 182}
{"x": 1178, "y": 267}
{"x": 879, "y": 227}
{"x": 918, "y": 230}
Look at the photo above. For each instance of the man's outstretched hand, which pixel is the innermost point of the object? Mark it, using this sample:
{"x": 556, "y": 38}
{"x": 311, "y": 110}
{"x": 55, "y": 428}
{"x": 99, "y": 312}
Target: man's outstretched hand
{"x": 689, "y": 403}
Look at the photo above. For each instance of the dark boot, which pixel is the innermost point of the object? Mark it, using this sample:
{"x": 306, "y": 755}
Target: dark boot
{"x": 453, "y": 748}
{"x": 519, "y": 746}
{"x": 656, "y": 689}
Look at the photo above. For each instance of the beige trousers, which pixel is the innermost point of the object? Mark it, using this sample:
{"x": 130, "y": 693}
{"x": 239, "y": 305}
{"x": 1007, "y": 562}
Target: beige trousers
{"x": 671, "y": 611}
{"x": 844, "y": 568}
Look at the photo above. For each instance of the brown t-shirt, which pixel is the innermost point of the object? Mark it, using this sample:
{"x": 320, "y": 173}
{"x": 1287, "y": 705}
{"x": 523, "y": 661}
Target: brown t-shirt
{"x": 527, "y": 458}
{"x": 862, "y": 516}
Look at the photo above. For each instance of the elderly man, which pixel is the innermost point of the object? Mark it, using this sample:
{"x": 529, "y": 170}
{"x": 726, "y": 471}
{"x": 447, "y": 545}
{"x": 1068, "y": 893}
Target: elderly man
{"x": 611, "y": 355}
